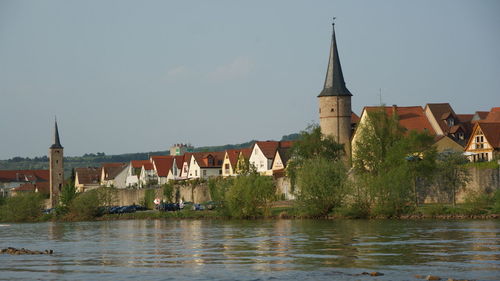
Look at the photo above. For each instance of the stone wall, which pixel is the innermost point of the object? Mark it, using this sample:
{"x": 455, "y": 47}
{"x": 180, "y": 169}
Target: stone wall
{"x": 481, "y": 181}
{"x": 196, "y": 194}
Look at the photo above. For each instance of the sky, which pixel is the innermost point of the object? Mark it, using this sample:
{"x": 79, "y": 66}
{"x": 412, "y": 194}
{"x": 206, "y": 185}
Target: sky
{"x": 138, "y": 76}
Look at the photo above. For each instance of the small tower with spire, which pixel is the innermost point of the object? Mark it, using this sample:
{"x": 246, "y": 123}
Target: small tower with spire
{"x": 56, "y": 168}
{"x": 335, "y": 101}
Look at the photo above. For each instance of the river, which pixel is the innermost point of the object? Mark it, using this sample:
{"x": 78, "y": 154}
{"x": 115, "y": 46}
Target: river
{"x": 253, "y": 250}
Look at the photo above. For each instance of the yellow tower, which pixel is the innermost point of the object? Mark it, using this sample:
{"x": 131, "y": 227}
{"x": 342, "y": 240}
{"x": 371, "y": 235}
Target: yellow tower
{"x": 56, "y": 168}
{"x": 335, "y": 102}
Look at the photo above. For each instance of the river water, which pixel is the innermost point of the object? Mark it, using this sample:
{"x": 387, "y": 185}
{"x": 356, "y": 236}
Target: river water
{"x": 253, "y": 250}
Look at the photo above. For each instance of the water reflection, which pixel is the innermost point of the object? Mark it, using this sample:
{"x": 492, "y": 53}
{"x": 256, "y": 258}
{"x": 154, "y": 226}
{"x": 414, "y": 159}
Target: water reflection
{"x": 312, "y": 249}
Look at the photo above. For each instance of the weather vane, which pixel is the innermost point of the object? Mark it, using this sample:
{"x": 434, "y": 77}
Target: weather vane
{"x": 333, "y": 20}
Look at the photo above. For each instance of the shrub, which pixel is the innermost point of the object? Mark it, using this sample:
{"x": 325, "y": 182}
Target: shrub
{"x": 22, "y": 208}
{"x": 149, "y": 197}
{"x": 322, "y": 186}
{"x": 168, "y": 192}
{"x": 248, "y": 196}
{"x": 86, "y": 205}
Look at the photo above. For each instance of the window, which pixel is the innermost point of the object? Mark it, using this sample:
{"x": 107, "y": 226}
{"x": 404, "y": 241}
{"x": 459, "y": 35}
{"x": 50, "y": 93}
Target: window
{"x": 196, "y": 173}
{"x": 204, "y": 173}
{"x": 226, "y": 166}
{"x": 210, "y": 161}
{"x": 450, "y": 122}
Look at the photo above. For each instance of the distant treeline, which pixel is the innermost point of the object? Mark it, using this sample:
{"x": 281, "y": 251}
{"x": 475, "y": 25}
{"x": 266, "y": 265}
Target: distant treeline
{"x": 95, "y": 159}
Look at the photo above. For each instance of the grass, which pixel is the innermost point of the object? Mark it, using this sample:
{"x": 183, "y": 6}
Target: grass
{"x": 484, "y": 165}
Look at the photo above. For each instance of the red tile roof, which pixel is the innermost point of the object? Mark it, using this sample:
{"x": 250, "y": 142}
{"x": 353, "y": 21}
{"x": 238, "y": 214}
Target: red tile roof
{"x": 163, "y": 165}
{"x": 410, "y": 117}
{"x": 90, "y": 175}
{"x": 465, "y": 118}
{"x": 111, "y": 170}
{"x": 179, "y": 161}
{"x": 441, "y": 112}
{"x": 493, "y": 115}
{"x": 233, "y": 155}
{"x": 202, "y": 159}
{"x": 269, "y": 148}
{"x": 42, "y": 187}
{"x": 491, "y": 131}
{"x": 246, "y": 152}
{"x": 139, "y": 163}
{"x": 354, "y": 118}
{"x": 482, "y": 114}
{"x": 24, "y": 175}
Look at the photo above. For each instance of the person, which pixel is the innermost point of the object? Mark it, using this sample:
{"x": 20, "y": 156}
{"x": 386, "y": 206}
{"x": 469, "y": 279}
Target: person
{"x": 181, "y": 204}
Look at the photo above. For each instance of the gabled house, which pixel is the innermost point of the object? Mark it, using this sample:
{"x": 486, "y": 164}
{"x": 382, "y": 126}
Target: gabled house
{"x": 177, "y": 167}
{"x": 445, "y": 122}
{"x": 87, "y": 178}
{"x": 280, "y": 159}
{"x": 163, "y": 167}
{"x": 243, "y": 162}
{"x": 147, "y": 176}
{"x": 134, "y": 171}
{"x": 186, "y": 161}
{"x": 205, "y": 165}
{"x": 484, "y": 143}
{"x": 113, "y": 174}
{"x": 493, "y": 115}
{"x": 230, "y": 161}
{"x": 263, "y": 153}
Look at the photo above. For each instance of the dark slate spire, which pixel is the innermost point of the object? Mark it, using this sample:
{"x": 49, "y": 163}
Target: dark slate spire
{"x": 56, "y": 143}
{"x": 334, "y": 81}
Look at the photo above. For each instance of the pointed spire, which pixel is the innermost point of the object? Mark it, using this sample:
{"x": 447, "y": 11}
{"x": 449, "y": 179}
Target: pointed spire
{"x": 334, "y": 81}
{"x": 56, "y": 143}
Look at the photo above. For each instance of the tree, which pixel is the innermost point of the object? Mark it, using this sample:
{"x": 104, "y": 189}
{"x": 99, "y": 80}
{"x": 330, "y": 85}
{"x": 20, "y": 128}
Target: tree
{"x": 390, "y": 163}
{"x": 311, "y": 145}
{"x": 249, "y": 196}
{"x": 68, "y": 193}
{"x": 168, "y": 192}
{"x": 452, "y": 174}
{"x": 323, "y": 186}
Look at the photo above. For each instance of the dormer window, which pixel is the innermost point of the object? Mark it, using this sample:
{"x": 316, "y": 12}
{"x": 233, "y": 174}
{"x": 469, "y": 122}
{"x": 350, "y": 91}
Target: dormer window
{"x": 210, "y": 161}
{"x": 451, "y": 122}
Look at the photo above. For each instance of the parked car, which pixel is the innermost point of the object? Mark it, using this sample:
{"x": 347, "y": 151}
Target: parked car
{"x": 168, "y": 207}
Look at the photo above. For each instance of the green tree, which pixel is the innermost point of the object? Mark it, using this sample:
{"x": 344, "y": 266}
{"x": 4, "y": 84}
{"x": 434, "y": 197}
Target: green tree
{"x": 249, "y": 196}
{"x": 68, "y": 193}
{"x": 168, "y": 192}
{"x": 22, "y": 207}
{"x": 311, "y": 145}
{"x": 323, "y": 186}
{"x": 86, "y": 205}
{"x": 390, "y": 164}
{"x": 452, "y": 174}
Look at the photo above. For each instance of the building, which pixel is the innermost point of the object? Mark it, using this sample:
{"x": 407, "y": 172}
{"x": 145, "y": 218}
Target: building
{"x": 113, "y": 174}
{"x": 335, "y": 101}
{"x": 87, "y": 178}
{"x": 26, "y": 180}
{"x": 411, "y": 118}
{"x": 484, "y": 143}
{"x": 56, "y": 168}
{"x": 263, "y": 153}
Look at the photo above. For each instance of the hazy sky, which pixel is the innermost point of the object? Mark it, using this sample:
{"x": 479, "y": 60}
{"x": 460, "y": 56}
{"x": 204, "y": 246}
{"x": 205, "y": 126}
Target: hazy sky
{"x": 136, "y": 76}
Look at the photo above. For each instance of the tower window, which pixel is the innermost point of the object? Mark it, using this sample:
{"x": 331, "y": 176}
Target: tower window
{"x": 332, "y": 110}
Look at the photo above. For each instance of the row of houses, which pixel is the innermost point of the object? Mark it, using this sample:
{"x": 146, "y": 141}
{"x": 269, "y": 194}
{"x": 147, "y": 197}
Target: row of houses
{"x": 266, "y": 157}
{"x": 477, "y": 135}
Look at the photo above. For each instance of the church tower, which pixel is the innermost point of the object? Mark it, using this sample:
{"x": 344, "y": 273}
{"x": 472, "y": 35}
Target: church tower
{"x": 56, "y": 168}
{"x": 335, "y": 101}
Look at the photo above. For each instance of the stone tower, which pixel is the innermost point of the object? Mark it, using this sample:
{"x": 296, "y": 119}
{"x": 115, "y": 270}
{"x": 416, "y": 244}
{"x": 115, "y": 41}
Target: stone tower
{"x": 335, "y": 102}
{"x": 56, "y": 168}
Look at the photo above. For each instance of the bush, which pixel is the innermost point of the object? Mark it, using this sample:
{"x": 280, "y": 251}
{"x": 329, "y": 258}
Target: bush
{"x": 322, "y": 186}
{"x": 86, "y": 205}
{"x": 248, "y": 196}
{"x": 168, "y": 192}
{"x": 496, "y": 202}
{"x": 22, "y": 208}
{"x": 149, "y": 197}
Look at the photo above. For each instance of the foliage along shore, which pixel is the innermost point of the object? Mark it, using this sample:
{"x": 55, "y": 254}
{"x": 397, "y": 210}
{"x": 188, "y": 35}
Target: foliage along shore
{"x": 391, "y": 168}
